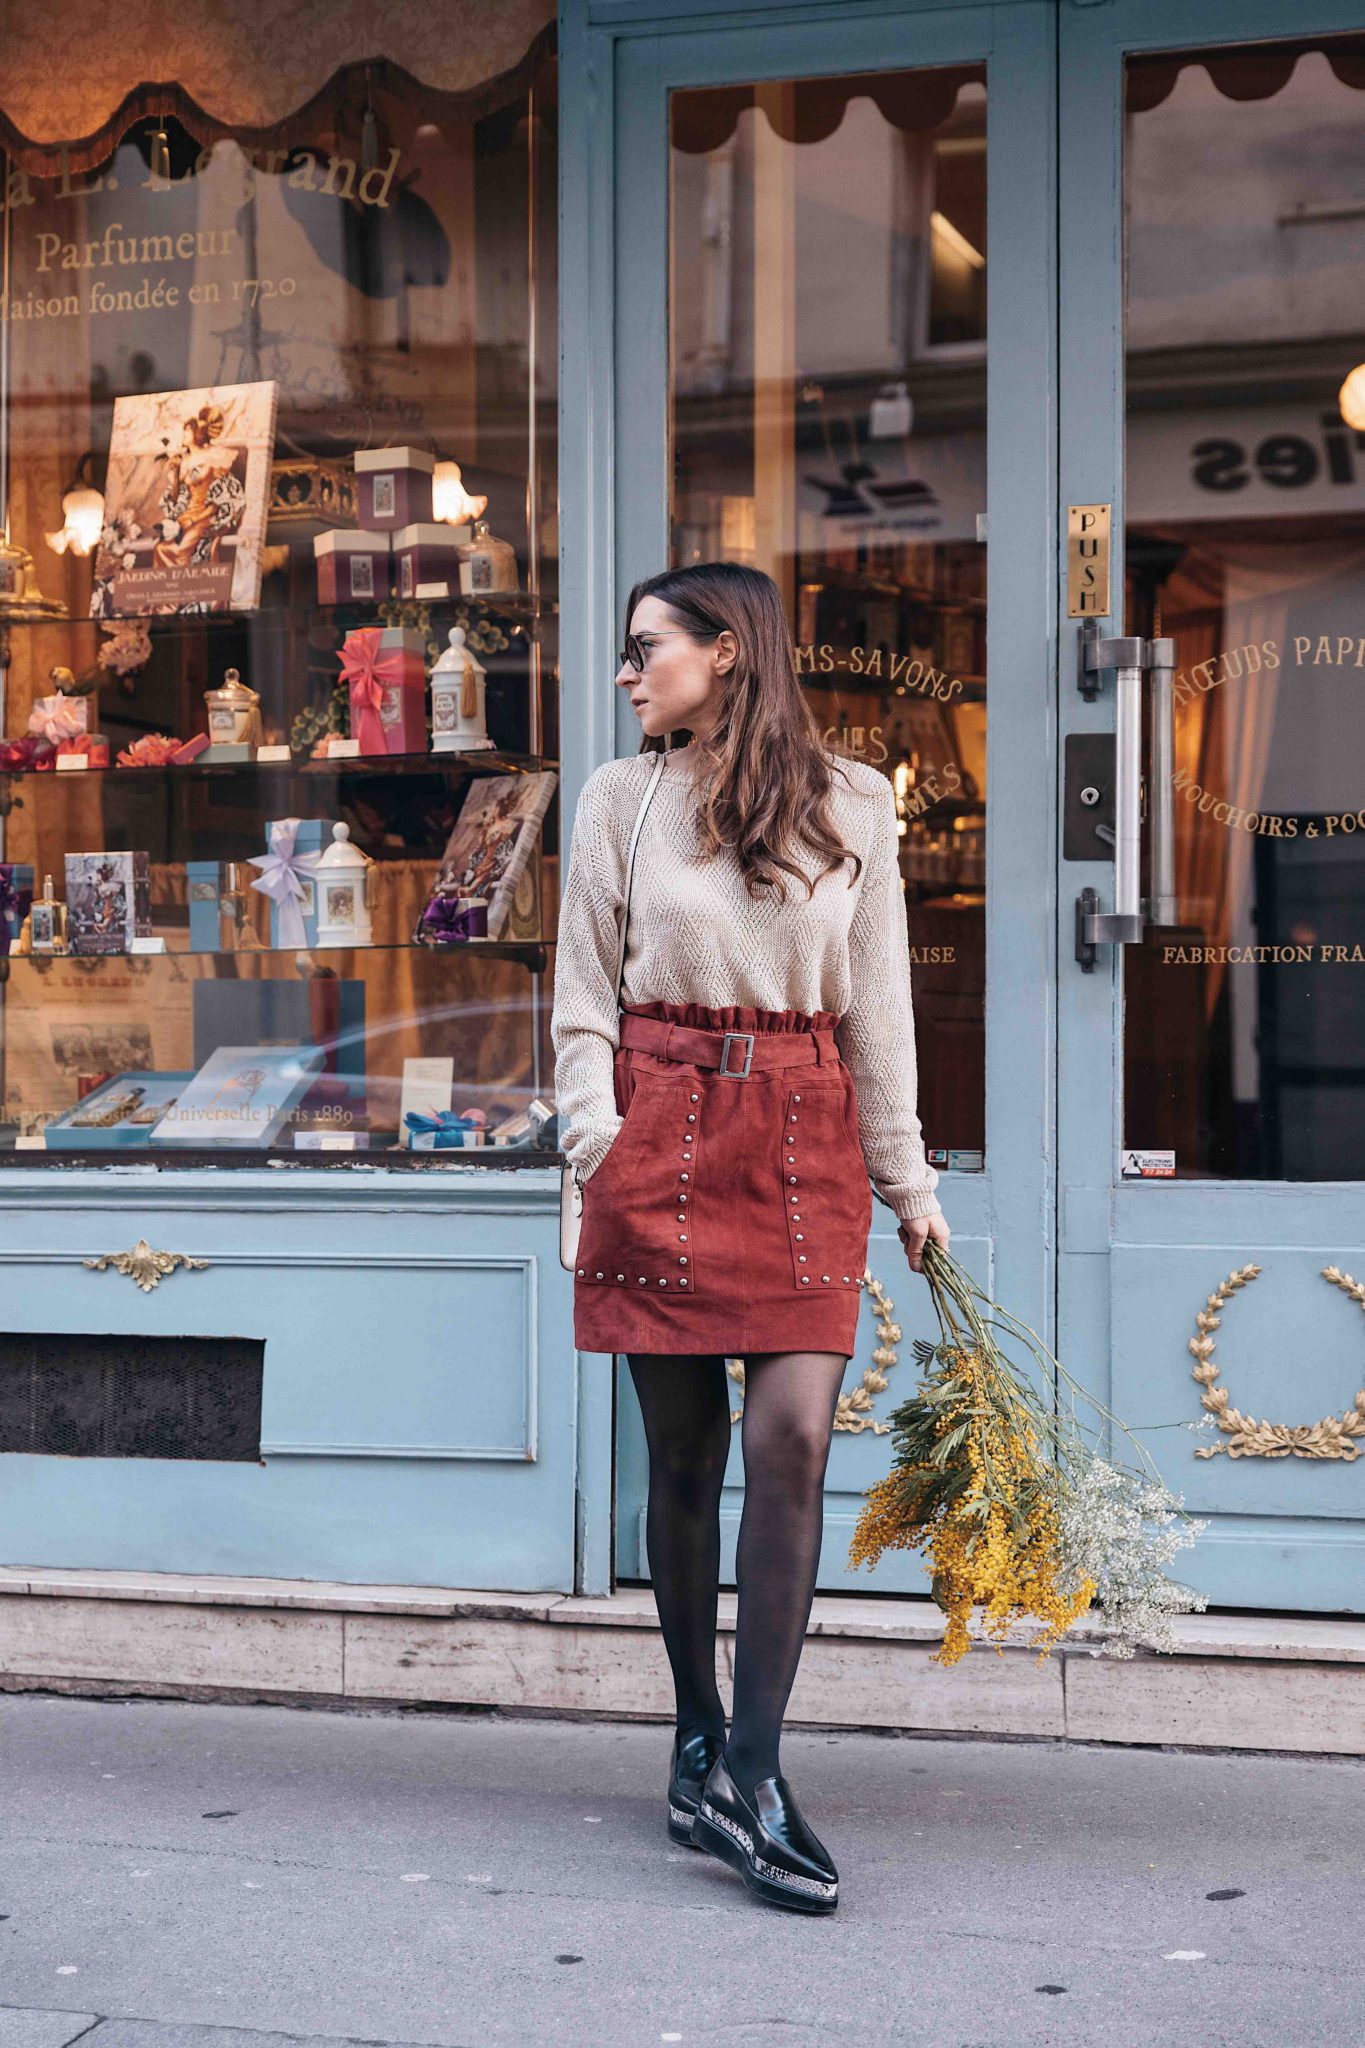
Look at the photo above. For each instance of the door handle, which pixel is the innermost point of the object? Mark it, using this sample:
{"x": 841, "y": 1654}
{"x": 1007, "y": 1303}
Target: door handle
{"x": 1129, "y": 660}
{"x": 1125, "y": 923}
{"x": 1162, "y": 907}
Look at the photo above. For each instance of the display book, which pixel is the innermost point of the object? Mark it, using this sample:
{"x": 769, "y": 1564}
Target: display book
{"x": 189, "y": 479}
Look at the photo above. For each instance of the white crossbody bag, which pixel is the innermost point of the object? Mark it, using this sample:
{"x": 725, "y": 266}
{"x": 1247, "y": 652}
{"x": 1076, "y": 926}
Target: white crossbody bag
{"x": 570, "y": 1186}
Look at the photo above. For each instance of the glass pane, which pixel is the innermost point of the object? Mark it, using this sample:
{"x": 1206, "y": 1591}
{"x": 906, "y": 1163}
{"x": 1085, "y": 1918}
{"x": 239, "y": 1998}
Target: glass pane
{"x": 236, "y": 385}
{"x": 828, "y": 414}
{"x": 1245, "y": 186}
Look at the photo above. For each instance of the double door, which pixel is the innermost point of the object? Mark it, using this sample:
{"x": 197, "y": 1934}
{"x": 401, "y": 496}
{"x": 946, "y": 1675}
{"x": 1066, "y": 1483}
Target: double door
{"x": 1022, "y": 346}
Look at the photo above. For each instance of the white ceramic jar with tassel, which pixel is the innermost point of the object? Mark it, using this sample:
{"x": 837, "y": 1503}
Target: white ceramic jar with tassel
{"x": 459, "y": 681}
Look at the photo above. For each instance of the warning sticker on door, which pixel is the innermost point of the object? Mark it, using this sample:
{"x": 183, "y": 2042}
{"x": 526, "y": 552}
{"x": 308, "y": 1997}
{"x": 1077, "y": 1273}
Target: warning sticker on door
{"x": 1147, "y": 1165}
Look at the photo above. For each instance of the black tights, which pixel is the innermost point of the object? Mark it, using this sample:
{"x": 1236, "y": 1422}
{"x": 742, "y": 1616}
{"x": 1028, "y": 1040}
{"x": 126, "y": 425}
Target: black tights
{"x": 789, "y": 1403}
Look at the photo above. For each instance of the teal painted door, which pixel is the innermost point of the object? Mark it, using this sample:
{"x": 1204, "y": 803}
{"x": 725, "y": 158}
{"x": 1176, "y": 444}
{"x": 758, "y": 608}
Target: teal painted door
{"x": 1212, "y": 1075}
{"x": 835, "y": 289}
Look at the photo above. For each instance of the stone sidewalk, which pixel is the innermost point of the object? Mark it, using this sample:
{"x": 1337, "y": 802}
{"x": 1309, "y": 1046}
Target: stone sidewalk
{"x": 175, "y": 1875}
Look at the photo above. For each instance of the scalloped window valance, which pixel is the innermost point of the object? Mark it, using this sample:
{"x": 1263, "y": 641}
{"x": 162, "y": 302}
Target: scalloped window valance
{"x": 73, "y": 83}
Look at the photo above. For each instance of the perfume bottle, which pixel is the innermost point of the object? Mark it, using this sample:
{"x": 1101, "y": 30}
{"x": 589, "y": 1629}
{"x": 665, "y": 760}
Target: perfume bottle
{"x": 487, "y": 565}
{"x": 236, "y": 932}
{"x": 44, "y": 929}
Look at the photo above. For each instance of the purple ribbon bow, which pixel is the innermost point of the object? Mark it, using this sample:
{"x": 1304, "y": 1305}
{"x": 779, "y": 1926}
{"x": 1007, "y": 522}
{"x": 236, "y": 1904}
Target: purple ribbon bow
{"x": 446, "y": 921}
{"x": 283, "y": 878}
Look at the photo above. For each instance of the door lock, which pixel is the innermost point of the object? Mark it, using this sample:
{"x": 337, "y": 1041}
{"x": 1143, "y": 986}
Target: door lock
{"x": 1088, "y": 797}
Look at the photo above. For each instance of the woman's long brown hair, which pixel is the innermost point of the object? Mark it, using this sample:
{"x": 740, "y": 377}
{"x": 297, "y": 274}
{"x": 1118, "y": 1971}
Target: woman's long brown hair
{"x": 765, "y": 774}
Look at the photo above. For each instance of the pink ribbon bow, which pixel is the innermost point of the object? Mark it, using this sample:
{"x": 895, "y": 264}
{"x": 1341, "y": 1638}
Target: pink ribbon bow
{"x": 57, "y": 718}
{"x": 283, "y": 878}
{"x": 365, "y": 671}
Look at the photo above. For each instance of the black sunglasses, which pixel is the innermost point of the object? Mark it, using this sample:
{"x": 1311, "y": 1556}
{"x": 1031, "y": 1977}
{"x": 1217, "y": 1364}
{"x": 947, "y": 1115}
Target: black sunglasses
{"x": 636, "y": 651}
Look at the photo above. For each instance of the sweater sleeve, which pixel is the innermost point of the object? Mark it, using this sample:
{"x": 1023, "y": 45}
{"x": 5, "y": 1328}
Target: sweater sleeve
{"x": 876, "y": 1035}
{"x": 584, "y": 1030}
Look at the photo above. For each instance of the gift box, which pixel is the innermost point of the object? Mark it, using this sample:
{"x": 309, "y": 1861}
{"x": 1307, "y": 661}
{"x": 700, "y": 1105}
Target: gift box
{"x": 444, "y": 1130}
{"x": 394, "y": 486}
{"x": 286, "y": 877}
{"x": 91, "y": 747}
{"x": 121, "y": 1112}
{"x": 108, "y": 901}
{"x": 450, "y": 920}
{"x": 204, "y": 884}
{"x": 426, "y": 560}
{"x": 59, "y": 717}
{"x": 386, "y": 673}
{"x": 352, "y": 565}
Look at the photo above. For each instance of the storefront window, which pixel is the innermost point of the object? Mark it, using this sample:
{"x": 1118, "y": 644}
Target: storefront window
{"x": 1245, "y": 187}
{"x": 277, "y": 611}
{"x": 828, "y": 424}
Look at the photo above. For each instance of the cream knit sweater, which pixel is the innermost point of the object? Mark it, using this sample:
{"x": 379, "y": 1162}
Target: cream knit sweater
{"x": 697, "y": 936}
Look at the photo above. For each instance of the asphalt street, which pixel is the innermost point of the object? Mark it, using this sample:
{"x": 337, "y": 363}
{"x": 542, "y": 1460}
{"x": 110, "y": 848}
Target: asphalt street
{"x": 176, "y": 1875}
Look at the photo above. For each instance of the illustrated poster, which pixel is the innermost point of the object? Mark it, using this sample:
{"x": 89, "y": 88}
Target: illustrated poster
{"x": 185, "y": 502}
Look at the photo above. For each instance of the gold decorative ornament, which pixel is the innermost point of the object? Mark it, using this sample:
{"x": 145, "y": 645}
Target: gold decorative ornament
{"x": 20, "y": 597}
{"x": 147, "y": 1267}
{"x": 1336, "y": 1436}
{"x": 853, "y": 1414}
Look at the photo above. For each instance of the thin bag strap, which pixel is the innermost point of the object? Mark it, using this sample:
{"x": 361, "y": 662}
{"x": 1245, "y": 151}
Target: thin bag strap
{"x": 630, "y": 873}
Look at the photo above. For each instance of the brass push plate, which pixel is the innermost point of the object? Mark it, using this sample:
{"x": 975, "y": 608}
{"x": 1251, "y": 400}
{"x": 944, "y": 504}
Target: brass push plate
{"x": 1087, "y": 561}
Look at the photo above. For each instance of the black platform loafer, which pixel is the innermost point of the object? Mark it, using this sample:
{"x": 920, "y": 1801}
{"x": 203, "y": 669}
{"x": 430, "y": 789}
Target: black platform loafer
{"x": 767, "y": 1842}
{"x": 687, "y": 1773}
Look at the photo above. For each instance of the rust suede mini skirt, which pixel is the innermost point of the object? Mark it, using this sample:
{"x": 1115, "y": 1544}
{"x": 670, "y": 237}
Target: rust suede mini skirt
{"x": 731, "y": 1215}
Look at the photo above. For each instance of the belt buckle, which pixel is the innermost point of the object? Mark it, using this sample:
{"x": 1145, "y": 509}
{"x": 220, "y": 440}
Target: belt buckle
{"x": 729, "y": 1073}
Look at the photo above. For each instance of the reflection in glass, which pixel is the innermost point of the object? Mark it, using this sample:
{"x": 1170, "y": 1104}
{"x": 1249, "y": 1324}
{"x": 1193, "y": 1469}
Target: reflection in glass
{"x": 383, "y": 267}
{"x": 828, "y": 416}
{"x": 1245, "y": 190}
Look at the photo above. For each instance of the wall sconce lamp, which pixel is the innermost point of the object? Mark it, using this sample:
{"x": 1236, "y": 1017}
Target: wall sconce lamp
{"x": 450, "y": 501}
{"x": 82, "y": 513}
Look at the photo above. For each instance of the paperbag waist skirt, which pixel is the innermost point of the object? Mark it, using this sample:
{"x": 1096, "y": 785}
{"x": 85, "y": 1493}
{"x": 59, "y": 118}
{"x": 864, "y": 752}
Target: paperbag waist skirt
{"x": 732, "y": 1212}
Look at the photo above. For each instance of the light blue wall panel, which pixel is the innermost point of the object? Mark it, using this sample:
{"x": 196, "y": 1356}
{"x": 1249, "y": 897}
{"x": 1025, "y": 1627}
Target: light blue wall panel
{"x": 419, "y": 1418}
{"x": 1270, "y": 1365}
{"x": 455, "y": 1396}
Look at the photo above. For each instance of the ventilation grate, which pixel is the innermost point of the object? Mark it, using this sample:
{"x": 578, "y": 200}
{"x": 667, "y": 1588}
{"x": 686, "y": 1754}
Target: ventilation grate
{"x": 131, "y": 1397}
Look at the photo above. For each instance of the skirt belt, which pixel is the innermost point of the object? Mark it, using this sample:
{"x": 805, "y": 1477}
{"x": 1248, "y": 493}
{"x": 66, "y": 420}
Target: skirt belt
{"x": 733, "y": 1054}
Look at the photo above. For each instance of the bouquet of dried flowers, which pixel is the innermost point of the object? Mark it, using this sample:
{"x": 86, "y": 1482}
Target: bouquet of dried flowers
{"x": 1017, "y": 1513}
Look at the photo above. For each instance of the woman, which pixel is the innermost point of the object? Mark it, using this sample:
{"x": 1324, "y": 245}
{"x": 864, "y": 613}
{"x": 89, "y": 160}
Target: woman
{"x": 725, "y": 1125}
{"x": 201, "y": 497}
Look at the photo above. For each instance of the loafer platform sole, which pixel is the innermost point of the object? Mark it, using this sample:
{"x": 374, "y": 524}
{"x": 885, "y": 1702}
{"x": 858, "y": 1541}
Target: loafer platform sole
{"x": 724, "y": 1837}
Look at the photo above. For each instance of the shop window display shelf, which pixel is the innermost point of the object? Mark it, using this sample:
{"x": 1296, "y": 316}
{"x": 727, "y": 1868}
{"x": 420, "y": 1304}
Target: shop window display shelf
{"x": 487, "y": 761}
{"x": 350, "y": 615}
{"x": 532, "y": 951}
